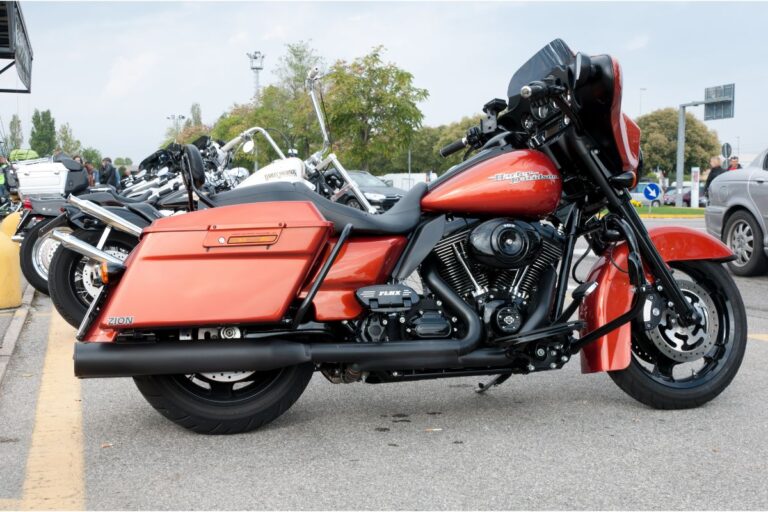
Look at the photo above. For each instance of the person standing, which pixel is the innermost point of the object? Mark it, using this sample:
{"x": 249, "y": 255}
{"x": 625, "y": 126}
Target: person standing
{"x": 93, "y": 177}
{"x": 734, "y": 164}
{"x": 3, "y": 180}
{"x": 715, "y": 170}
{"x": 108, "y": 174}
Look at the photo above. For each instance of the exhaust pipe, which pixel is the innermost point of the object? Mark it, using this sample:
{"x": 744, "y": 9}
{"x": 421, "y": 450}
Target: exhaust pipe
{"x": 105, "y": 216}
{"x": 167, "y": 358}
{"x": 77, "y": 245}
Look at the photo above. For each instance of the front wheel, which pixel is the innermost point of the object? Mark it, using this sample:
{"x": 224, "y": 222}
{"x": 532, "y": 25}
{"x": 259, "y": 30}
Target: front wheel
{"x": 225, "y": 402}
{"x": 36, "y": 254}
{"x": 680, "y": 367}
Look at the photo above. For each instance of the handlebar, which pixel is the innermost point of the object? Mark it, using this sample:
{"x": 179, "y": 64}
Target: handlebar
{"x": 538, "y": 90}
{"x": 453, "y": 147}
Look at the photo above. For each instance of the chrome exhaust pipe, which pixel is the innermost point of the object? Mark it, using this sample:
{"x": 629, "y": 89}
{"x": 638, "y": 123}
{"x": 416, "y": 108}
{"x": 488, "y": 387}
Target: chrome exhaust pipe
{"x": 77, "y": 245}
{"x": 105, "y": 216}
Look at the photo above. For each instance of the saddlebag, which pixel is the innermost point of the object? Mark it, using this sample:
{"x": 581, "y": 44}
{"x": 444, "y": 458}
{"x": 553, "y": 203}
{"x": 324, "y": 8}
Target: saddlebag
{"x": 236, "y": 264}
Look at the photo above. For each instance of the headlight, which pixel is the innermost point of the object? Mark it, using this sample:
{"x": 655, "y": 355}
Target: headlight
{"x": 372, "y": 196}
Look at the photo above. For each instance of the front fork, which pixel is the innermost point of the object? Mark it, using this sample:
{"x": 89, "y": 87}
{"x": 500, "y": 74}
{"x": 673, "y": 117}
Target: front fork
{"x": 619, "y": 203}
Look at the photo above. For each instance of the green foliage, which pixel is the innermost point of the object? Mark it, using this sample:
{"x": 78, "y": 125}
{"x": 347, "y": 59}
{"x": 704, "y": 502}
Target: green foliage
{"x": 66, "y": 140}
{"x": 196, "y": 115}
{"x": 42, "y": 139}
{"x": 23, "y": 154}
{"x": 91, "y": 155}
{"x": 372, "y": 108}
{"x": 15, "y": 134}
{"x": 659, "y": 141}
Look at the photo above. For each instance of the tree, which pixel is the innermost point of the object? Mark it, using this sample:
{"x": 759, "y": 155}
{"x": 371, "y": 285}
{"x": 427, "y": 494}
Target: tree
{"x": 196, "y": 115}
{"x": 119, "y": 161}
{"x": 92, "y": 155}
{"x": 42, "y": 139}
{"x": 294, "y": 67}
{"x": 66, "y": 140}
{"x": 15, "y": 134}
{"x": 372, "y": 108}
{"x": 659, "y": 141}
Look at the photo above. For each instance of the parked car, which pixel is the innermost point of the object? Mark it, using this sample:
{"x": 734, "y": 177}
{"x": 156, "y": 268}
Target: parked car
{"x": 637, "y": 194}
{"x": 379, "y": 194}
{"x": 670, "y": 196}
{"x": 687, "y": 196}
{"x": 738, "y": 214}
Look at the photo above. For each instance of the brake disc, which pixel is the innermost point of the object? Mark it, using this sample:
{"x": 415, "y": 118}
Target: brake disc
{"x": 688, "y": 343}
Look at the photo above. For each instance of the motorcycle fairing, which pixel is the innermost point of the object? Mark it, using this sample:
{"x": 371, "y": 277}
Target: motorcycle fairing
{"x": 613, "y": 296}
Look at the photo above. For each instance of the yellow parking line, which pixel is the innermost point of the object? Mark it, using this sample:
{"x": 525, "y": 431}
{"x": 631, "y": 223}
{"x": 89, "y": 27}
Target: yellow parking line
{"x": 761, "y": 337}
{"x": 55, "y": 477}
{"x": 10, "y": 504}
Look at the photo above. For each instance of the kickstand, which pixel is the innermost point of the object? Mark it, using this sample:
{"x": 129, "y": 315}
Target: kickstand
{"x": 497, "y": 380}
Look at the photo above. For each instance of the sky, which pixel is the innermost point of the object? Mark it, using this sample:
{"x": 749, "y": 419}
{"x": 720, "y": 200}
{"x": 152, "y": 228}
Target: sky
{"x": 116, "y": 70}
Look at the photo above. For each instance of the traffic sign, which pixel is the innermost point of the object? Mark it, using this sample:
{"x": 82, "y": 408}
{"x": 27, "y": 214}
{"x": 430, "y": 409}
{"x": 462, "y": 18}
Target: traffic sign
{"x": 652, "y": 192}
{"x": 727, "y": 150}
{"x": 719, "y": 102}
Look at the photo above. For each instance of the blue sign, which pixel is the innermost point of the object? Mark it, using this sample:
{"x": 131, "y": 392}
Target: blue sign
{"x": 652, "y": 192}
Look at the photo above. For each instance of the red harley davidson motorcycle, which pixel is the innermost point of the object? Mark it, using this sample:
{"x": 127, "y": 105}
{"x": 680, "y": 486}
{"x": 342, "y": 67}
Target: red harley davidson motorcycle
{"x": 222, "y": 315}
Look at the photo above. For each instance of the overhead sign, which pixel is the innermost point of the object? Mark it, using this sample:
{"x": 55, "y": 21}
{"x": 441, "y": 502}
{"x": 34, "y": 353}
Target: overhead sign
{"x": 652, "y": 192}
{"x": 14, "y": 43}
{"x": 726, "y": 151}
{"x": 719, "y": 102}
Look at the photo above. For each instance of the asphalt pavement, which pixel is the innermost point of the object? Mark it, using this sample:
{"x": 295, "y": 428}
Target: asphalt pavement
{"x": 551, "y": 440}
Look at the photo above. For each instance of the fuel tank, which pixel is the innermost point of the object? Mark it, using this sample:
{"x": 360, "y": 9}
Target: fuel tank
{"x": 521, "y": 183}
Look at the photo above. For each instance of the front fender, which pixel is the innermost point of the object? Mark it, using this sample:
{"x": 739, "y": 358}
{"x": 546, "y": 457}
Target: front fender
{"x": 613, "y": 296}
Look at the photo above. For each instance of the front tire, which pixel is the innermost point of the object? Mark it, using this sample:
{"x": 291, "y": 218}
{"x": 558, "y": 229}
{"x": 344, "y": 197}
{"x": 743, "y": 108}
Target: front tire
{"x": 74, "y": 279}
{"x": 354, "y": 203}
{"x": 745, "y": 238}
{"x": 673, "y": 367}
{"x": 214, "y": 404}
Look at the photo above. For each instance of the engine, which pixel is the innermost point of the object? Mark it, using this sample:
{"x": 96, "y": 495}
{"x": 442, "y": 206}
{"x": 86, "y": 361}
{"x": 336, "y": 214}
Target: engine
{"x": 497, "y": 265}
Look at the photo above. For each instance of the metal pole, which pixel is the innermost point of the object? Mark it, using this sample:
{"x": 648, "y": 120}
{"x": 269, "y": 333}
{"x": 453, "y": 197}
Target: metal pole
{"x": 680, "y": 156}
{"x": 410, "y": 180}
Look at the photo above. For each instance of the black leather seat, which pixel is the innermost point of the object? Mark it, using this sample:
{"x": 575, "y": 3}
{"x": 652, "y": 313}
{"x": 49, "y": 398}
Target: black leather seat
{"x": 400, "y": 219}
{"x": 112, "y": 198}
{"x": 145, "y": 210}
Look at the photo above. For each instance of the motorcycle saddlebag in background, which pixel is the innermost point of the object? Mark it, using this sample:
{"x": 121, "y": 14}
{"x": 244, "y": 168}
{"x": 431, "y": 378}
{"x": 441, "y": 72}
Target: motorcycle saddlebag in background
{"x": 230, "y": 265}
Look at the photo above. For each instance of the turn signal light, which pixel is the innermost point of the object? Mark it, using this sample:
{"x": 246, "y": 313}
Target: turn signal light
{"x": 26, "y": 204}
{"x": 110, "y": 272}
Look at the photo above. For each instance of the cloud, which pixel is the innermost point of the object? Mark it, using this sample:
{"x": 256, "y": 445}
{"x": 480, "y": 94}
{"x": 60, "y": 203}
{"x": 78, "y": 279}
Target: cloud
{"x": 277, "y": 32}
{"x": 128, "y": 75}
{"x": 238, "y": 39}
{"x": 638, "y": 42}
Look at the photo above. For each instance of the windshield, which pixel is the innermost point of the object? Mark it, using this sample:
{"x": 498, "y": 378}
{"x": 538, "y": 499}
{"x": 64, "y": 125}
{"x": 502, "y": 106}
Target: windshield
{"x": 555, "y": 54}
{"x": 367, "y": 180}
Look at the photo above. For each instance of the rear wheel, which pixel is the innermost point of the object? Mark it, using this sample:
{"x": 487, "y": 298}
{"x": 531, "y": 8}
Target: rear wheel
{"x": 745, "y": 238}
{"x": 36, "y": 254}
{"x": 225, "y": 402}
{"x": 354, "y": 203}
{"x": 677, "y": 367}
{"x": 74, "y": 278}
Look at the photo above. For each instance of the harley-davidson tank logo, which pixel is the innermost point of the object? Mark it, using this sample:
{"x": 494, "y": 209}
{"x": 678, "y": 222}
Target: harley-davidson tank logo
{"x": 522, "y": 176}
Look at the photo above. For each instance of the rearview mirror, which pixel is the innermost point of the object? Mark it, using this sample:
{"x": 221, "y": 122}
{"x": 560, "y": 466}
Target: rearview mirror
{"x": 249, "y": 146}
{"x": 580, "y": 71}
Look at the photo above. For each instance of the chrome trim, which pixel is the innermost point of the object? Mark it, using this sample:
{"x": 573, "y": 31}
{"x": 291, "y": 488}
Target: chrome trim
{"x": 105, "y": 216}
{"x": 80, "y": 247}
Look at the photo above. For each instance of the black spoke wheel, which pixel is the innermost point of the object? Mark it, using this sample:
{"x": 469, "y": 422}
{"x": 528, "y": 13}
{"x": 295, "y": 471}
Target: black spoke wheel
{"x": 74, "y": 279}
{"x": 679, "y": 367}
{"x": 225, "y": 402}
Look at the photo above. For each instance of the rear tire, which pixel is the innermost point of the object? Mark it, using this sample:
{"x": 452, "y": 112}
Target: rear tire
{"x": 743, "y": 235}
{"x": 668, "y": 385}
{"x": 36, "y": 255}
{"x": 73, "y": 278}
{"x": 184, "y": 400}
{"x": 354, "y": 203}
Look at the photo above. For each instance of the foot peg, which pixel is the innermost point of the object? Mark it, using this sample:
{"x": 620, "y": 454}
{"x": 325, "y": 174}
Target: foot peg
{"x": 497, "y": 380}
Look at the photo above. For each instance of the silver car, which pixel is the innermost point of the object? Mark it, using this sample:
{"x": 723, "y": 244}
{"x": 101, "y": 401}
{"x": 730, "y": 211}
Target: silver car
{"x": 738, "y": 215}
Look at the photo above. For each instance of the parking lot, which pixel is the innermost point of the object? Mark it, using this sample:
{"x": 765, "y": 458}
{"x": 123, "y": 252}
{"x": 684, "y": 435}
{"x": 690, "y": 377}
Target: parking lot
{"x": 552, "y": 440}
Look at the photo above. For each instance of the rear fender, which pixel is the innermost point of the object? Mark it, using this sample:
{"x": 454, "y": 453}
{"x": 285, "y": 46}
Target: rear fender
{"x": 613, "y": 296}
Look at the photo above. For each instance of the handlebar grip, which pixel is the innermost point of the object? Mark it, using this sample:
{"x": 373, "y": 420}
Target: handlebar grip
{"x": 453, "y": 147}
{"x": 534, "y": 90}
